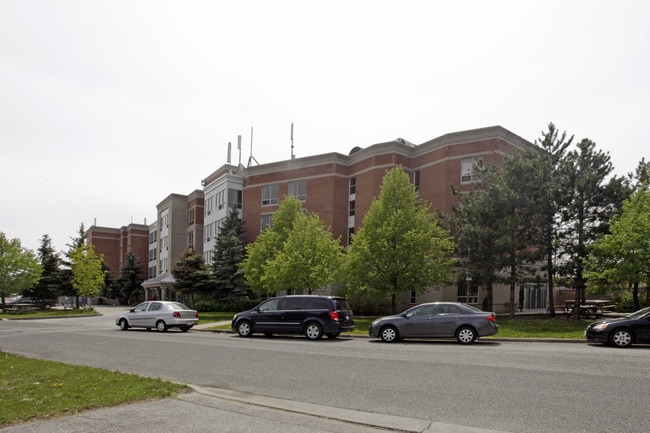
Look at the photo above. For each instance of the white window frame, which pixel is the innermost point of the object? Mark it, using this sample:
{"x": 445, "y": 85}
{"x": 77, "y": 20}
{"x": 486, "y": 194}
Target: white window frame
{"x": 270, "y": 194}
{"x": 298, "y": 188}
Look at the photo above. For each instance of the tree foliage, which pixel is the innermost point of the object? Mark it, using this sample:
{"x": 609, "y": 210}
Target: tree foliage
{"x": 20, "y": 269}
{"x": 47, "y": 286}
{"x": 192, "y": 275}
{"x": 129, "y": 282}
{"x": 400, "y": 246}
{"x": 620, "y": 259}
{"x": 296, "y": 253}
{"x": 590, "y": 200}
{"x": 229, "y": 252}
{"x": 87, "y": 271}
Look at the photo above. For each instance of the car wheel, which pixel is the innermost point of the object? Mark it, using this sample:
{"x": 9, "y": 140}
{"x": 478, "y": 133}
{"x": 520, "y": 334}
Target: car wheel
{"x": 388, "y": 334}
{"x": 313, "y": 331}
{"x": 621, "y": 337}
{"x": 185, "y": 328}
{"x": 161, "y": 326}
{"x": 124, "y": 325}
{"x": 466, "y": 335}
{"x": 244, "y": 328}
{"x": 333, "y": 335}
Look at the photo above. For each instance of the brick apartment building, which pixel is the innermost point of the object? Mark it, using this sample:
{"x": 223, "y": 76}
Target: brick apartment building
{"x": 340, "y": 188}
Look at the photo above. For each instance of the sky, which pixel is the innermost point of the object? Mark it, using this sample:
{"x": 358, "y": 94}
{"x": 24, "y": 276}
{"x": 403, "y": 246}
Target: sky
{"x": 107, "y": 107}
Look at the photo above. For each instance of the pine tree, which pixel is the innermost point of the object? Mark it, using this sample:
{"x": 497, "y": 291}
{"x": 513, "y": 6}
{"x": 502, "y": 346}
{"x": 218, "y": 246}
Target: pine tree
{"x": 228, "y": 254}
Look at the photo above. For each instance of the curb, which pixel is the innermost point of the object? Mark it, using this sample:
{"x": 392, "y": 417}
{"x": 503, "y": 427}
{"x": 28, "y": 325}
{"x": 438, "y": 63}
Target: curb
{"x": 52, "y": 317}
{"x": 487, "y": 339}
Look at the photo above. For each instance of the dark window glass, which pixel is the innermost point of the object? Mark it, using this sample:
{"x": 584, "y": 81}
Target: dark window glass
{"x": 155, "y": 306}
{"x": 270, "y": 305}
{"x": 341, "y": 304}
{"x": 292, "y": 303}
{"x": 316, "y": 304}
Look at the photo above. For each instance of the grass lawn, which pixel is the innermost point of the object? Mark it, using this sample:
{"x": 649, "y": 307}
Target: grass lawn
{"x": 212, "y": 316}
{"x": 33, "y": 389}
{"x": 47, "y": 313}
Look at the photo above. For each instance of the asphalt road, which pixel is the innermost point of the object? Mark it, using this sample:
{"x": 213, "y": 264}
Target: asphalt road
{"x": 511, "y": 386}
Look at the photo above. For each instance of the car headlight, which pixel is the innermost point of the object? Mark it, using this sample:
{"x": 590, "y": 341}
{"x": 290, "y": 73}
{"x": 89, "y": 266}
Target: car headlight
{"x": 601, "y": 326}
{"x": 376, "y": 322}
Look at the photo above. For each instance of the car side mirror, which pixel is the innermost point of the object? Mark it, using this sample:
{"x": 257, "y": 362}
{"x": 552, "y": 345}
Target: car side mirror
{"x": 132, "y": 310}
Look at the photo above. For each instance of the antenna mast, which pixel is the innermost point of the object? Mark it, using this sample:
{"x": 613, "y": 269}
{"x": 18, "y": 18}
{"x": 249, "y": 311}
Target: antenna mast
{"x": 292, "y": 155}
{"x": 252, "y": 158}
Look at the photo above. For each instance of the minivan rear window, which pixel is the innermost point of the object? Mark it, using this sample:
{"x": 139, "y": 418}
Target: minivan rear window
{"x": 341, "y": 304}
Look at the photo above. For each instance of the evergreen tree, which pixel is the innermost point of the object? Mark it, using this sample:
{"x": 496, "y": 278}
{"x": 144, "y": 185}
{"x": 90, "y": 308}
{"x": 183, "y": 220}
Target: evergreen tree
{"x": 192, "y": 275}
{"x": 228, "y": 254}
{"x": 400, "y": 246}
{"x": 130, "y": 279}
{"x": 590, "y": 203}
{"x": 49, "y": 282}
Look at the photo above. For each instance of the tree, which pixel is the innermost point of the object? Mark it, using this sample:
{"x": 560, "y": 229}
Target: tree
{"x": 19, "y": 268}
{"x": 621, "y": 258}
{"x": 87, "y": 271}
{"x": 49, "y": 282}
{"x": 400, "y": 246}
{"x": 228, "y": 254}
{"x": 66, "y": 287}
{"x": 552, "y": 155}
{"x": 308, "y": 260}
{"x": 192, "y": 275}
{"x": 129, "y": 282}
{"x": 590, "y": 204}
{"x": 269, "y": 244}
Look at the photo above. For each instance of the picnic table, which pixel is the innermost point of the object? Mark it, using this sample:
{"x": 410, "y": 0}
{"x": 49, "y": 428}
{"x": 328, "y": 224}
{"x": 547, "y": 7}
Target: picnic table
{"x": 20, "y": 307}
{"x": 591, "y": 308}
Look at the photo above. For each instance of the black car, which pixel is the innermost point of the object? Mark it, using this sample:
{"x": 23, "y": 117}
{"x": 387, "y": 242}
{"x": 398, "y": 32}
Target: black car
{"x": 311, "y": 315}
{"x": 622, "y": 331}
{"x": 436, "y": 320}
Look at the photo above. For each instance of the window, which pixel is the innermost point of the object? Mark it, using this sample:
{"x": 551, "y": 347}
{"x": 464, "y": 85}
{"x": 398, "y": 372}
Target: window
{"x": 424, "y": 310}
{"x": 153, "y": 236}
{"x": 298, "y": 188}
{"x": 155, "y": 306}
{"x": 234, "y": 198}
{"x": 350, "y": 233}
{"x": 270, "y": 194}
{"x": 292, "y": 303}
{"x": 316, "y": 304}
{"x": 208, "y": 205}
{"x": 208, "y": 232}
{"x": 353, "y": 185}
{"x": 449, "y": 309}
{"x": 413, "y": 295}
{"x": 416, "y": 180}
{"x": 467, "y": 170}
{"x": 270, "y": 305}
{"x": 190, "y": 217}
{"x": 468, "y": 292}
{"x": 221, "y": 199}
{"x": 190, "y": 241}
{"x": 267, "y": 221}
{"x": 351, "y": 212}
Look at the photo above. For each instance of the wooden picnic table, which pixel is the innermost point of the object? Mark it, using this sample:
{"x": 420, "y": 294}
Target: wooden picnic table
{"x": 592, "y": 308}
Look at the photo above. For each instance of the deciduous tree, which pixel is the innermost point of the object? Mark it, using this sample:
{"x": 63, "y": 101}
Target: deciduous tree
{"x": 87, "y": 271}
{"x": 20, "y": 269}
{"x": 400, "y": 247}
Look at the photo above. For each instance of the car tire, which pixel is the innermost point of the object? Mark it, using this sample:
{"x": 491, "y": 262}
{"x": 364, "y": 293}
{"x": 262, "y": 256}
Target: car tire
{"x": 185, "y": 328}
{"x": 124, "y": 325}
{"x": 244, "y": 328}
{"x": 621, "y": 337}
{"x": 313, "y": 331}
{"x": 466, "y": 335}
{"x": 332, "y": 336}
{"x": 161, "y": 326}
{"x": 389, "y": 334}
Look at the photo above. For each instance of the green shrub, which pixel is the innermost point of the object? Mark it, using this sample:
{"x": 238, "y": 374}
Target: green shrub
{"x": 624, "y": 303}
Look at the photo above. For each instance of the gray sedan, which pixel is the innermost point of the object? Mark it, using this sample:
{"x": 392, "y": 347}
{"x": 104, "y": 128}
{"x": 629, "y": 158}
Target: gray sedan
{"x": 436, "y": 320}
{"x": 159, "y": 314}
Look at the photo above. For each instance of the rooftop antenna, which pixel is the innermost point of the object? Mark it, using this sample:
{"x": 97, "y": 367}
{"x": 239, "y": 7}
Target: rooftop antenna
{"x": 239, "y": 148}
{"x": 229, "y": 164}
{"x": 292, "y": 155}
{"x": 252, "y": 158}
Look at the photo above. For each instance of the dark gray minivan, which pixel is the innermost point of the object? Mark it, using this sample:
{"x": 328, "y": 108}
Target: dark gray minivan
{"x": 311, "y": 315}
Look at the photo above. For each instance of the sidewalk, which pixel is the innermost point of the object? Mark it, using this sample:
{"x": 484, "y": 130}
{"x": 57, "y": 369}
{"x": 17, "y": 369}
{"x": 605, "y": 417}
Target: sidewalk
{"x": 212, "y": 409}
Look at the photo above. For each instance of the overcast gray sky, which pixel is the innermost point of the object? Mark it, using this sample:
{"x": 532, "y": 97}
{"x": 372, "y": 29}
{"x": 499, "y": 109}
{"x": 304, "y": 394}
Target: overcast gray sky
{"x": 107, "y": 107}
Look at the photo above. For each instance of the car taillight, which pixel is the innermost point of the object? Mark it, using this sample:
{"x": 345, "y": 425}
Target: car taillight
{"x": 335, "y": 316}
{"x": 177, "y": 314}
{"x": 491, "y": 318}
{"x": 197, "y": 315}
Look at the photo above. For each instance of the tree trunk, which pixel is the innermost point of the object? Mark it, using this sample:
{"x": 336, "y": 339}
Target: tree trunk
{"x": 549, "y": 273}
{"x": 394, "y": 305}
{"x": 635, "y": 296}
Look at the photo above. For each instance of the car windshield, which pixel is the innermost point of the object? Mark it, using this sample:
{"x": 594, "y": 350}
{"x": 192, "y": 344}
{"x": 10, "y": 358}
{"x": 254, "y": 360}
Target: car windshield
{"x": 177, "y": 306}
{"x": 639, "y": 314}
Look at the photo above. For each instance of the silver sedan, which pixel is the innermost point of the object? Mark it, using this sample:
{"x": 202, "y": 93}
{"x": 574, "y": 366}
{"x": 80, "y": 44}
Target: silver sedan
{"x": 436, "y": 320}
{"x": 159, "y": 314}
